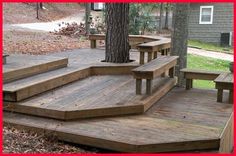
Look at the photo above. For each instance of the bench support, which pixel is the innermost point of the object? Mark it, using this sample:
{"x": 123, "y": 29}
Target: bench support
{"x": 141, "y": 59}
{"x": 189, "y": 84}
{"x": 219, "y": 95}
{"x": 149, "y": 56}
{"x": 138, "y": 86}
{"x": 149, "y": 86}
{"x": 172, "y": 72}
{"x": 231, "y": 95}
{"x": 93, "y": 44}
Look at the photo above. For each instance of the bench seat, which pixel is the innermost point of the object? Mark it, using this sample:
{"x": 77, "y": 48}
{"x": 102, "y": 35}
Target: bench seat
{"x": 153, "y": 69}
{"x": 191, "y": 74}
{"x": 152, "y": 48}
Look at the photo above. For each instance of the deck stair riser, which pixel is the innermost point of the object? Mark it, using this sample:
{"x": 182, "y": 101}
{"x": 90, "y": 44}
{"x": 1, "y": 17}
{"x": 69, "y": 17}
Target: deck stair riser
{"x": 12, "y": 75}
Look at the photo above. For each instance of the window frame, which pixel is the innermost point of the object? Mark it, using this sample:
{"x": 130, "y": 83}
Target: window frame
{"x": 200, "y": 16}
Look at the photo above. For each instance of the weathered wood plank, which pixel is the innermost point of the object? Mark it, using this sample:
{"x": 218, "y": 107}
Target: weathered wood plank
{"x": 16, "y": 68}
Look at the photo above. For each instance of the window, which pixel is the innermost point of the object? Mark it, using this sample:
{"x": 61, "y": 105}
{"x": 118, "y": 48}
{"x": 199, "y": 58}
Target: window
{"x": 206, "y": 15}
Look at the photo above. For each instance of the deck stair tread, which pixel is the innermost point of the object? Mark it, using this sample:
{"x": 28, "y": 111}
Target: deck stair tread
{"x": 21, "y": 66}
{"x": 24, "y": 88}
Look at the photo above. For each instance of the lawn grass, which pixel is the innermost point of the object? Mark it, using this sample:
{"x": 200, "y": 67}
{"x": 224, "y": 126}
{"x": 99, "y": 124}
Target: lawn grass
{"x": 206, "y": 63}
{"x": 209, "y": 46}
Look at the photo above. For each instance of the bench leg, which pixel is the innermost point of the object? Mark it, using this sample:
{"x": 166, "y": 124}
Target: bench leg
{"x": 189, "y": 84}
{"x": 149, "y": 86}
{"x": 155, "y": 54}
{"x": 162, "y": 52}
{"x": 93, "y": 44}
{"x": 141, "y": 58}
{"x": 138, "y": 86}
{"x": 231, "y": 96}
{"x": 219, "y": 95}
{"x": 149, "y": 56}
{"x": 172, "y": 72}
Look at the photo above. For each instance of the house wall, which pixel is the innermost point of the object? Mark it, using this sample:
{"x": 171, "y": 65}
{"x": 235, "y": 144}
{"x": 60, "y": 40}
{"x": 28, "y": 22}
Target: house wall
{"x": 222, "y": 22}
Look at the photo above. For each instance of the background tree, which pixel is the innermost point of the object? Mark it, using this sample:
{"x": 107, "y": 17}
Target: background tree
{"x": 117, "y": 32}
{"x": 87, "y": 17}
{"x": 179, "y": 37}
{"x": 41, "y": 5}
{"x": 160, "y": 20}
{"x": 167, "y": 8}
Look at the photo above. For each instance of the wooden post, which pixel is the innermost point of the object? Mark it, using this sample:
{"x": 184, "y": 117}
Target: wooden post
{"x": 138, "y": 86}
{"x": 141, "y": 59}
{"x": 148, "y": 86}
{"x": 93, "y": 44}
{"x": 150, "y": 54}
{"x": 231, "y": 96}
{"x": 219, "y": 95}
{"x": 155, "y": 54}
{"x": 189, "y": 83}
{"x": 172, "y": 72}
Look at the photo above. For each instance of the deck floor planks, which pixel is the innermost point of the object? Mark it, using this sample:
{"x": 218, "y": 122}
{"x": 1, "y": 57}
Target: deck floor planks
{"x": 154, "y": 130}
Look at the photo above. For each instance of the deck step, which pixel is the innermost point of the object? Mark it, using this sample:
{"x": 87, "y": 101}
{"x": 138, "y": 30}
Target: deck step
{"x": 21, "y": 66}
{"x": 30, "y": 86}
{"x": 95, "y": 96}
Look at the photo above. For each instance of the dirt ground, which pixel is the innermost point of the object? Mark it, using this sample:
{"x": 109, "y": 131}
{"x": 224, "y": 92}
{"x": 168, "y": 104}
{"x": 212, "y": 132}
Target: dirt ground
{"x": 38, "y": 42}
{"x": 22, "y": 141}
{"x": 14, "y": 13}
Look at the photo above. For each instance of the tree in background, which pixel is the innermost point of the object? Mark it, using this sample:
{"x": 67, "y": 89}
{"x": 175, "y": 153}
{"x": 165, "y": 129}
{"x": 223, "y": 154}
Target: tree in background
{"x": 160, "y": 19}
{"x": 87, "y": 17}
{"x": 140, "y": 16}
{"x": 167, "y": 8}
{"x": 179, "y": 37}
{"x": 117, "y": 32}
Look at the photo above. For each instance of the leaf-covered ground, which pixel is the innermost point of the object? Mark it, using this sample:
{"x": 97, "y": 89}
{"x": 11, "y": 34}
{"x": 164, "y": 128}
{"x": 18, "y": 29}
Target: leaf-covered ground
{"x": 22, "y": 141}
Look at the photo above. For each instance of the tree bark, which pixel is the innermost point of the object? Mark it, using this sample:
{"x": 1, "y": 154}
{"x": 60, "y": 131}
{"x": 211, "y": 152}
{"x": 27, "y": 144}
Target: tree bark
{"x": 161, "y": 14}
{"x": 117, "y": 35}
{"x": 179, "y": 38}
{"x": 87, "y": 16}
{"x": 167, "y": 16}
{"x": 41, "y": 5}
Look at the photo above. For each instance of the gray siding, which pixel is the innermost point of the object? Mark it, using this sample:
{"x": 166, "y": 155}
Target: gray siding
{"x": 222, "y": 22}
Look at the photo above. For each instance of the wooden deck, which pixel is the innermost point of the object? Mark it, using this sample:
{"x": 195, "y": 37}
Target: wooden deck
{"x": 91, "y": 96}
{"x": 180, "y": 121}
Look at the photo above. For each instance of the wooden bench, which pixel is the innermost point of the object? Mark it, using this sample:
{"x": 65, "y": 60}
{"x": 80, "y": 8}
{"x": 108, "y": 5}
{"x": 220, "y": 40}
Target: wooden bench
{"x": 5, "y": 58}
{"x": 134, "y": 40}
{"x": 191, "y": 74}
{"x": 225, "y": 81}
{"x": 152, "y": 48}
{"x": 152, "y": 69}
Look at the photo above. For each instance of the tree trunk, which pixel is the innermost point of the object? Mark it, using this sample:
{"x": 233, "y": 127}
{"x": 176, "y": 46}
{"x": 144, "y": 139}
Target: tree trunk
{"x": 117, "y": 35}
{"x": 167, "y": 16}
{"x": 41, "y": 5}
{"x": 87, "y": 18}
{"x": 161, "y": 14}
{"x": 179, "y": 38}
